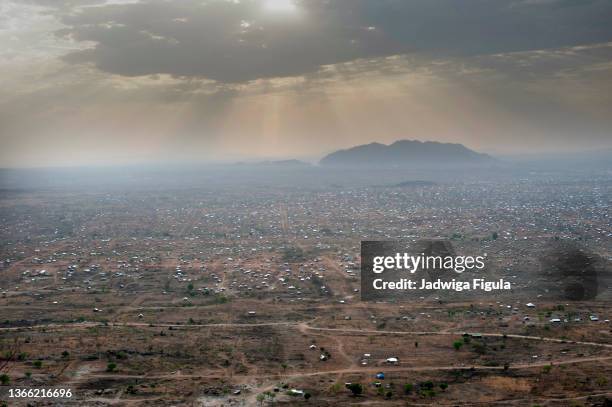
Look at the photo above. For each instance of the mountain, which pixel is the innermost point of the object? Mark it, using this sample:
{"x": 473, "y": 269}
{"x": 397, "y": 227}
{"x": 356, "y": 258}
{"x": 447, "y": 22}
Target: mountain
{"x": 406, "y": 153}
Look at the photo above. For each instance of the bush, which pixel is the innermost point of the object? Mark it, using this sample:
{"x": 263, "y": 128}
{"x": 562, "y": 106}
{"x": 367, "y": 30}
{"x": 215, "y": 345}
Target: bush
{"x": 443, "y": 386}
{"x": 111, "y": 367}
{"x": 427, "y": 393}
{"x": 307, "y": 396}
{"x": 355, "y": 388}
{"x": 38, "y": 364}
{"x": 408, "y": 388}
{"x": 428, "y": 385}
{"x": 457, "y": 345}
{"x": 335, "y": 388}
{"x": 4, "y": 379}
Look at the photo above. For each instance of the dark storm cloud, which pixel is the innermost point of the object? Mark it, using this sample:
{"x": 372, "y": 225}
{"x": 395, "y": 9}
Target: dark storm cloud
{"x": 236, "y": 41}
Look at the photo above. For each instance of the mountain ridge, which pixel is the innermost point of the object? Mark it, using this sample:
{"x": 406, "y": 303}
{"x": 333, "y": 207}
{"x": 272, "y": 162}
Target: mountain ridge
{"x": 406, "y": 153}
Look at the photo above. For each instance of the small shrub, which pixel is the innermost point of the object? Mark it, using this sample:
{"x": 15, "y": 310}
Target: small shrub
{"x": 355, "y": 388}
{"x": 335, "y": 388}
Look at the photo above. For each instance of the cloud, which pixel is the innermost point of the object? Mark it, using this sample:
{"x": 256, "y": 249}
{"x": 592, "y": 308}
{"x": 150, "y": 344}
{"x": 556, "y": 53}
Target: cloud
{"x": 237, "y": 41}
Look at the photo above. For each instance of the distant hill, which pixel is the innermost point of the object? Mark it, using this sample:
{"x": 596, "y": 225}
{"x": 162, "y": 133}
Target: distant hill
{"x": 406, "y": 153}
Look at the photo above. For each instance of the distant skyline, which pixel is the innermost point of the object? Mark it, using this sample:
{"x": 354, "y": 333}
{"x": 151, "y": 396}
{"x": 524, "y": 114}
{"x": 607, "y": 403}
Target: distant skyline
{"x": 94, "y": 82}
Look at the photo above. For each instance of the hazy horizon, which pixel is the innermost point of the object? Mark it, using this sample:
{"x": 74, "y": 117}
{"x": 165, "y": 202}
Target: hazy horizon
{"x": 116, "y": 82}
{"x": 554, "y": 157}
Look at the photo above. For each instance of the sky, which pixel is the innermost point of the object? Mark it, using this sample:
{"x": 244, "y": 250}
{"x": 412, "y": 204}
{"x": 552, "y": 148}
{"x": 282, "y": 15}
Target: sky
{"x": 94, "y": 82}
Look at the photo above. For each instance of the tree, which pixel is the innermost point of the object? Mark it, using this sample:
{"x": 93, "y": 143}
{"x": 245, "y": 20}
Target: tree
{"x": 408, "y": 388}
{"x": 426, "y": 385}
{"x": 111, "y": 367}
{"x": 307, "y": 396}
{"x": 355, "y": 388}
{"x": 4, "y": 379}
{"x": 443, "y": 386}
{"x": 457, "y": 345}
{"x": 38, "y": 364}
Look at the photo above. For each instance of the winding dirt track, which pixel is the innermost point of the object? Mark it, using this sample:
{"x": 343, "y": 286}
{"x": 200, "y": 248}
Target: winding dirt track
{"x": 302, "y": 326}
{"x": 370, "y": 369}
